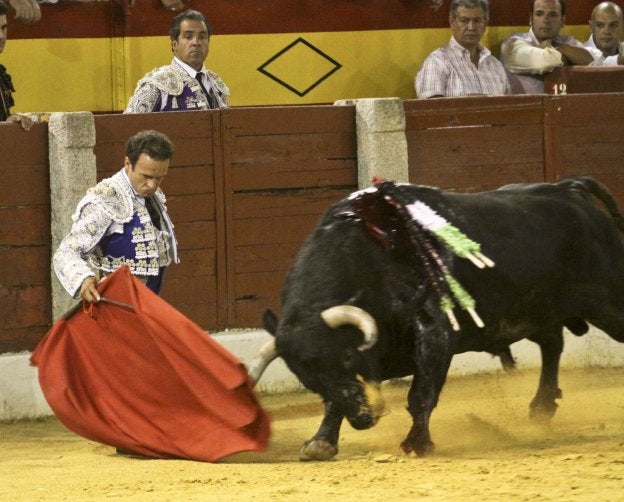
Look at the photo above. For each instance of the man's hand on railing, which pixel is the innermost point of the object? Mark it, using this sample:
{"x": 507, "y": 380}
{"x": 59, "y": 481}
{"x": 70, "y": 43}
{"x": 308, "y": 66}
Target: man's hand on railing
{"x": 26, "y": 11}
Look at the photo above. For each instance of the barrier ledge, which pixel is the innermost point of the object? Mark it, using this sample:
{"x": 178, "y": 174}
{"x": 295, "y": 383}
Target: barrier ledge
{"x": 22, "y": 398}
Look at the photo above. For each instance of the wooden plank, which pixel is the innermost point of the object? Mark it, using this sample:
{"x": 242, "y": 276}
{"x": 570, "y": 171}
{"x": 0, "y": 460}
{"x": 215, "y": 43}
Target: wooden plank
{"x": 592, "y": 142}
{"x": 552, "y": 139}
{"x": 254, "y": 292}
{"x": 453, "y": 112}
{"x": 301, "y": 174}
{"x": 222, "y": 135}
{"x": 191, "y": 207}
{"x": 577, "y": 109}
{"x": 193, "y": 262}
{"x": 24, "y": 185}
{"x": 202, "y": 314}
{"x": 25, "y": 265}
{"x": 476, "y": 178}
{"x": 190, "y": 132}
{"x": 22, "y": 307}
{"x": 195, "y": 235}
{"x": 284, "y": 229}
{"x": 584, "y": 79}
{"x": 187, "y": 180}
{"x": 269, "y": 257}
{"x": 197, "y": 289}
{"x": 265, "y": 121}
{"x": 112, "y": 128}
{"x": 286, "y": 202}
{"x": 475, "y": 146}
{"x": 25, "y": 226}
{"x": 21, "y": 339}
{"x": 311, "y": 145}
{"x": 24, "y": 148}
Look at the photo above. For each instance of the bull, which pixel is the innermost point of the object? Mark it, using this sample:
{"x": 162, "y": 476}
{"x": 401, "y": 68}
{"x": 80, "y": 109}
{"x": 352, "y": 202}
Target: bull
{"x": 365, "y": 298}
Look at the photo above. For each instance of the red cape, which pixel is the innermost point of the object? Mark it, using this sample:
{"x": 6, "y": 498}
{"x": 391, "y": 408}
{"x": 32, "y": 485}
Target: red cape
{"x": 149, "y": 381}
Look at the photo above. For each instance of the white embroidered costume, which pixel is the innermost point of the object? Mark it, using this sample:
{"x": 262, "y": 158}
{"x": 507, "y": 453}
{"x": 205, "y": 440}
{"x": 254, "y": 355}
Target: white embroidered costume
{"x": 172, "y": 88}
{"x": 112, "y": 227}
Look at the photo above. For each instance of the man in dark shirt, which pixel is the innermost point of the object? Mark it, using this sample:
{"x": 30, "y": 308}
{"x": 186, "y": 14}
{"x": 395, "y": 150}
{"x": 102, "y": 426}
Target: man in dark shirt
{"x": 6, "y": 85}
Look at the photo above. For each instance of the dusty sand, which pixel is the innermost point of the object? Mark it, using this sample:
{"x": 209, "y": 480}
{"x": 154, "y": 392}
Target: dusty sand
{"x": 486, "y": 450}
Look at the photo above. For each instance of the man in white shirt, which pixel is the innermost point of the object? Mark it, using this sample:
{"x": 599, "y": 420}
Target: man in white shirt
{"x": 185, "y": 84}
{"x": 528, "y": 56}
{"x": 607, "y": 26}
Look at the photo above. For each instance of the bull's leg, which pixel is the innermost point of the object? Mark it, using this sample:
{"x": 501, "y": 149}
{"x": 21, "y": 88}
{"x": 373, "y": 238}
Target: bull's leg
{"x": 324, "y": 444}
{"x": 543, "y": 405}
{"x": 433, "y": 354}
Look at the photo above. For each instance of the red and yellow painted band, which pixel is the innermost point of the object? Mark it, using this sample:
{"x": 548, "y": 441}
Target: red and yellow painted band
{"x": 100, "y": 74}
{"x": 89, "y": 56}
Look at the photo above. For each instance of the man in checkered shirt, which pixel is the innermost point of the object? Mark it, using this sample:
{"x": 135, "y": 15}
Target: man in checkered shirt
{"x": 463, "y": 67}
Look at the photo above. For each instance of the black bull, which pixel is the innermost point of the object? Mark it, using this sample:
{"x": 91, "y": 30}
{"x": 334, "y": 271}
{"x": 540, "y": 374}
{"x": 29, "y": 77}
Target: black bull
{"x": 361, "y": 303}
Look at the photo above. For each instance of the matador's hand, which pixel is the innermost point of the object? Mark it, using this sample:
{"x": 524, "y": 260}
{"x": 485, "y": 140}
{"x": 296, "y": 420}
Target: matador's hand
{"x": 88, "y": 290}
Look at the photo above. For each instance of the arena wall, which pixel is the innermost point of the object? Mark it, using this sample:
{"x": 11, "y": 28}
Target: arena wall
{"x": 247, "y": 185}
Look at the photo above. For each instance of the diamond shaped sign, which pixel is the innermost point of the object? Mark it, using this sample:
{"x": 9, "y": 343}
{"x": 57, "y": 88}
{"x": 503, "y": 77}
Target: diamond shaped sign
{"x": 300, "y": 67}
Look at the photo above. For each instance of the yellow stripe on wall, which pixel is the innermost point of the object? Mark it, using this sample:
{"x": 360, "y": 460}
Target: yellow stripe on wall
{"x": 60, "y": 74}
{"x": 101, "y": 74}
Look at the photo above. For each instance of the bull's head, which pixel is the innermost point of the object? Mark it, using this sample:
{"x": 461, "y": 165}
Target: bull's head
{"x": 328, "y": 353}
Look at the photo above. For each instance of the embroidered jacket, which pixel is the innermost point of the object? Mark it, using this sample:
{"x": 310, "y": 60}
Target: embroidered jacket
{"x": 171, "y": 88}
{"x": 111, "y": 228}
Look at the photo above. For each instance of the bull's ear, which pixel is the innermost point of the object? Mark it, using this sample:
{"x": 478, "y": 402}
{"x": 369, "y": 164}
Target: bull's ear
{"x": 269, "y": 321}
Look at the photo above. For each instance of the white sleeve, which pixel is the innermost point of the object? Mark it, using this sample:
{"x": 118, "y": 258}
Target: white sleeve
{"x": 520, "y": 56}
{"x": 70, "y": 259}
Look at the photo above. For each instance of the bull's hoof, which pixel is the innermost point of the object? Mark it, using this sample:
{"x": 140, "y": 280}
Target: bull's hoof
{"x": 317, "y": 449}
{"x": 543, "y": 412}
{"x": 420, "y": 449}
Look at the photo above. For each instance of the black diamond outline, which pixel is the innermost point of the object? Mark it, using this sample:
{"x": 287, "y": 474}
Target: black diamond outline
{"x": 262, "y": 67}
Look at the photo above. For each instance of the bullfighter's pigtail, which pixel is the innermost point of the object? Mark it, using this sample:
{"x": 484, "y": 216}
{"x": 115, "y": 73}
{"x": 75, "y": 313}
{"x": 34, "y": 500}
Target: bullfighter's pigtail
{"x": 424, "y": 225}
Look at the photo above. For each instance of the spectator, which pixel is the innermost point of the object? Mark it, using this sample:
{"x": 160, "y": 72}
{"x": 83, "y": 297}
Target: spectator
{"x": 6, "y": 83}
{"x": 122, "y": 221}
{"x": 528, "y": 56}
{"x": 185, "y": 84}
{"x": 607, "y": 26}
{"x": 463, "y": 67}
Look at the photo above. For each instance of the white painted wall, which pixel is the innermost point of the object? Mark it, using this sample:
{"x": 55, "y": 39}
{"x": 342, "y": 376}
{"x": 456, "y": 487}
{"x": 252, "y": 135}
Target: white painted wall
{"x": 21, "y": 396}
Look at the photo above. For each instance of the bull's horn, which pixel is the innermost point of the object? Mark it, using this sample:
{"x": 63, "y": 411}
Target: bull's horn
{"x": 348, "y": 314}
{"x": 262, "y": 359}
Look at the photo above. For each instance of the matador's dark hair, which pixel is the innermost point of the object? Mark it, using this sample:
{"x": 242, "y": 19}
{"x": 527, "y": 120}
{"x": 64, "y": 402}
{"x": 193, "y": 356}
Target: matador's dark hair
{"x": 195, "y": 15}
{"x": 152, "y": 143}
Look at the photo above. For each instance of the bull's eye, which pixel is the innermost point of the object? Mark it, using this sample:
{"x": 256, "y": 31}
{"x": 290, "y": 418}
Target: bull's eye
{"x": 349, "y": 359}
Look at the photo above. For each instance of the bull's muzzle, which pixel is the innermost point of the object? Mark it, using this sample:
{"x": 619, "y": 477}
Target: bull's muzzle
{"x": 372, "y": 407}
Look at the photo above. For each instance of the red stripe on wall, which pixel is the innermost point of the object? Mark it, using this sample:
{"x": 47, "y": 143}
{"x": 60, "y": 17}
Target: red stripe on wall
{"x": 103, "y": 19}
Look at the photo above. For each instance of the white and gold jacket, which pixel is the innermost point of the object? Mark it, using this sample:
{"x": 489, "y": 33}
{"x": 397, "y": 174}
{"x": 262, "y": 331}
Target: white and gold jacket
{"x": 112, "y": 227}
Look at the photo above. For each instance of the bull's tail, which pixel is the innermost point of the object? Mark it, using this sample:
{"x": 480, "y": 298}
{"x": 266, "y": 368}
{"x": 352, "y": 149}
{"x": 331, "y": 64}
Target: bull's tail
{"x": 590, "y": 186}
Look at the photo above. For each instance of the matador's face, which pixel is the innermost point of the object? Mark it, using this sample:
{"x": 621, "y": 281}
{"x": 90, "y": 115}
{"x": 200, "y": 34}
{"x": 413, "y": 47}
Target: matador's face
{"x": 192, "y": 44}
{"x": 147, "y": 174}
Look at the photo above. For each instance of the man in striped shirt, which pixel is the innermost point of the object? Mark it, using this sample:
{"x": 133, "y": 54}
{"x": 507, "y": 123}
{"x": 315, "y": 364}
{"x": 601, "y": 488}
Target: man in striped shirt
{"x": 463, "y": 67}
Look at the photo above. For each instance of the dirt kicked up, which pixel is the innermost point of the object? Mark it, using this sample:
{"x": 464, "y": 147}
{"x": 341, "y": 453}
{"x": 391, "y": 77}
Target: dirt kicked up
{"x": 486, "y": 450}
